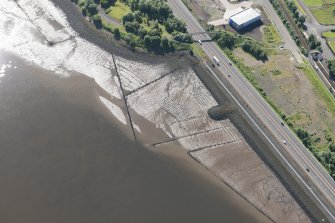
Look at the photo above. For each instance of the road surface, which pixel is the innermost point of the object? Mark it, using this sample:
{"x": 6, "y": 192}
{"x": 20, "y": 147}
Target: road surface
{"x": 289, "y": 43}
{"x": 108, "y": 18}
{"x": 314, "y": 27}
{"x": 317, "y": 183}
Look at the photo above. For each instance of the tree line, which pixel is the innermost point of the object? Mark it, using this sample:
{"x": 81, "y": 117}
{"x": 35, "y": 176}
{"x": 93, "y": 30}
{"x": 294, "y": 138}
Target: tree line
{"x": 331, "y": 68}
{"x": 228, "y": 40}
{"x": 146, "y": 21}
{"x": 255, "y": 50}
{"x": 326, "y": 157}
{"x": 144, "y": 24}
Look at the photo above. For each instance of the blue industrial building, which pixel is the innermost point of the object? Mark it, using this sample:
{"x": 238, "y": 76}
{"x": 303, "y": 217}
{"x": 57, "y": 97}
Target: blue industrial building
{"x": 244, "y": 19}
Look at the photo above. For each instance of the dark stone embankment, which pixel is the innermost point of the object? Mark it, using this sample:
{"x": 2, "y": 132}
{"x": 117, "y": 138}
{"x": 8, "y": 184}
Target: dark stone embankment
{"x": 220, "y": 112}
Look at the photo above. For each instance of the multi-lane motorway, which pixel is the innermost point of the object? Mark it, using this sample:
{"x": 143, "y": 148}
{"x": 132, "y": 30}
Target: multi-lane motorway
{"x": 283, "y": 143}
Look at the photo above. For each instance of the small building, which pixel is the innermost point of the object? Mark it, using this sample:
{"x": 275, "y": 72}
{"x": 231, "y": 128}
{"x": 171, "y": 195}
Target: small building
{"x": 244, "y": 19}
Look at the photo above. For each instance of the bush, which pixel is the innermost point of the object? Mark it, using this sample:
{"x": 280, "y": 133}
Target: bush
{"x": 107, "y": 3}
{"x": 84, "y": 11}
{"x": 152, "y": 42}
{"x": 130, "y": 40}
{"x": 97, "y": 21}
{"x": 173, "y": 24}
{"x": 331, "y": 67}
{"x": 91, "y": 7}
{"x": 332, "y": 147}
{"x": 302, "y": 134}
{"x": 183, "y": 38}
{"x": 128, "y": 18}
{"x": 132, "y": 27}
{"x": 117, "y": 33}
{"x": 255, "y": 50}
{"x": 226, "y": 40}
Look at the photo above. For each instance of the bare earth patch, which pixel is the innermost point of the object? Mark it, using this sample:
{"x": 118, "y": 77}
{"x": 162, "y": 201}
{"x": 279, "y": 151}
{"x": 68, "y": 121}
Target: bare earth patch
{"x": 289, "y": 88}
{"x": 207, "y": 10}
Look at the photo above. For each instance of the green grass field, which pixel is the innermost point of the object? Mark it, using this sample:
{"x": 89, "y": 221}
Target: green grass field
{"x": 325, "y": 15}
{"x": 328, "y": 34}
{"x": 271, "y": 35}
{"x": 322, "y": 10}
{"x": 119, "y": 10}
{"x": 332, "y": 45}
{"x": 327, "y": 2}
{"x": 320, "y": 88}
{"x": 313, "y": 2}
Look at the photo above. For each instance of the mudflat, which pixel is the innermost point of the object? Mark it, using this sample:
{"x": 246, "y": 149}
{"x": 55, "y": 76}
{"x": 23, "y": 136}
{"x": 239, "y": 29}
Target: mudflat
{"x": 63, "y": 158}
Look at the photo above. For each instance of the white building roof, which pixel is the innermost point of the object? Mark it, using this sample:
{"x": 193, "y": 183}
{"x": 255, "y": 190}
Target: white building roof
{"x": 245, "y": 16}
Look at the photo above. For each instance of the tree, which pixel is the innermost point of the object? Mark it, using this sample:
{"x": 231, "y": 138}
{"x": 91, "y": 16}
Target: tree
{"x": 327, "y": 156}
{"x": 84, "y": 11}
{"x": 173, "y": 24}
{"x": 302, "y": 134}
{"x": 91, "y": 7}
{"x": 313, "y": 42}
{"x": 132, "y": 27}
{"x": 137, "y": 16}
{"x": 97, "y": 21}
{"x": 142, "y": 32}
{"x": 130, "y": 40}
{"x": 183, "y": 38}
{"x": 332, "y": 147}
{"x": 152, "y": 42}
{"x": 128, "y": 18}
{"x": 117, "y": 33}
{"x": 107, "y": 3}
{"x": 154, "y": 32}
{"x": 331, "y": 67}
{"x": 210, "y": 28}
{"x": 226, "y": 40}
{"x": 165, "y": 43}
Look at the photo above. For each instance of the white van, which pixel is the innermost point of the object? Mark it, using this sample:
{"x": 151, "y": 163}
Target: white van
{"x": 215, "y": 59}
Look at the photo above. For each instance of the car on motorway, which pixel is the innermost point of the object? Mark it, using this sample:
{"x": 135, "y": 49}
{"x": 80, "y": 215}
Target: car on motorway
{"x": 282, "y": 123}
{"x": 229, "y": 63}
{"x": 216, "y": 60}
{"x": 200, "y": 42}
{"x": 284, "y": 142}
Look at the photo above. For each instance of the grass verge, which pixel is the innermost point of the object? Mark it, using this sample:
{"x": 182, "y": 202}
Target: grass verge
{"x": 331, "y": 44}
{"x": 325, "y": 15}
{"x": 301, "y": 10}
{"x": 118, "y": 10}
{"x": 271, "y": 36}
{"x": 328, "y": 34}
{"x": 313, "y": 2}
{"x": 320, "y": 88}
